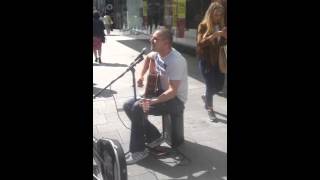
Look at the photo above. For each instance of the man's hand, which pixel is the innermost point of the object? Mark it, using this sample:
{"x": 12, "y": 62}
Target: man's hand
{"x": 145, "y": 104}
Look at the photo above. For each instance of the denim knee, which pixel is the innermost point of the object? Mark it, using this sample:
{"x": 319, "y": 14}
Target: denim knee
{"x": 127, "y": 106}
{"x": 136, "y": 108}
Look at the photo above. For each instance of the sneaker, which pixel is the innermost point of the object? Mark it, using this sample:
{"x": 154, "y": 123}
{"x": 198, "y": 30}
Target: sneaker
{"x": 99, "y": 60}
{"x": 211, "y": 112}
{"x": 212, "y": 115}
{"x": 133, "y": 158}
{"x": 155, "y": 143}
{"x": 96, "y": 60}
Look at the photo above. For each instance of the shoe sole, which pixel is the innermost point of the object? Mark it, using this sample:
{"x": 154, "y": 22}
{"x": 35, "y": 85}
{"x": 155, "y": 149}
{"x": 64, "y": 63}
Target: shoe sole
{"x": 135, "y": 161}
{"x": 212, "y": 117}
{"x": 158, "y": 144}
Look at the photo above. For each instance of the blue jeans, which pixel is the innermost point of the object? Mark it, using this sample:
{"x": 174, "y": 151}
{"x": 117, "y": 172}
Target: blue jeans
{"x": 213, "y": 78}
{"x": 141, "y": 129}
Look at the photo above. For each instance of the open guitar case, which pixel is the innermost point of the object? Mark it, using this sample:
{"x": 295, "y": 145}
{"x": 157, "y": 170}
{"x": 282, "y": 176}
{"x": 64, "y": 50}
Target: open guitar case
{"x": 113, "y": 166}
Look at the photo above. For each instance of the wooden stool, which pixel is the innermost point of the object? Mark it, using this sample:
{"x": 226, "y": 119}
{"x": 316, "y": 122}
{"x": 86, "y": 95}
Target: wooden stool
{"x": 173, "y": 129}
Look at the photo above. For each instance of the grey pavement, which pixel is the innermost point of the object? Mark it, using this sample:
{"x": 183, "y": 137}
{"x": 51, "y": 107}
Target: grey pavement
{"x": 203, "y": 155}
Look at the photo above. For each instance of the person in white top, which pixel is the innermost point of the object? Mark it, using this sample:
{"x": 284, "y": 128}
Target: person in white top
{"x": 171, "y": 67}
{"x": 107, "y": 23}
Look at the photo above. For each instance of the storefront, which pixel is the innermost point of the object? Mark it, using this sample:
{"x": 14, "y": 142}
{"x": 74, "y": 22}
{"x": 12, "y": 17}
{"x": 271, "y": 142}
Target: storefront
{"x": 134, "y": 15}
{"x": 181, "y": 16}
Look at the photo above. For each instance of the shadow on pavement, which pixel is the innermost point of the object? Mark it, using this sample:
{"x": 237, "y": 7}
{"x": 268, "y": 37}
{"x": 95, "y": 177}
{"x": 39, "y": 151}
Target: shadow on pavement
{"x": 136, "y": 44}
{"x": 105, "y": 93}
{"x": 202, "y": 162}
{"x": 111, "y": 64}
{"x": 112, "y": 35}
{"x": 139, "y": 44}
{"x": 219, "y": 120}
{"x": 223, "y": 115}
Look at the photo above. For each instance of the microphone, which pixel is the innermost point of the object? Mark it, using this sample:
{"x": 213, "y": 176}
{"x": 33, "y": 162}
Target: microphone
{"x": 139, "y": 57}
{"x": 141, "y": 53}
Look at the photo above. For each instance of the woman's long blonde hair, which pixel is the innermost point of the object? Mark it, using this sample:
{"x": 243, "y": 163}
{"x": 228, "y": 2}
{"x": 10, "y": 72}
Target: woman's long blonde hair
{"x": 207, "y": 19}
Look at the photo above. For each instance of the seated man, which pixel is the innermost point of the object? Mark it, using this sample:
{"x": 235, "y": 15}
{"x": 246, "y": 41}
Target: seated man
{"x": 171, "y": 67}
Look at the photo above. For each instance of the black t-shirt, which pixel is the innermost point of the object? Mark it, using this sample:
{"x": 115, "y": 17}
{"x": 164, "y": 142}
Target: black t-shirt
{"x": 98, "y": 28}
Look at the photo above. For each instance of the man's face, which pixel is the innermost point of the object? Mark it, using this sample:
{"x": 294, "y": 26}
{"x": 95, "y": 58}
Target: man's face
{"x": 157, "y": 42}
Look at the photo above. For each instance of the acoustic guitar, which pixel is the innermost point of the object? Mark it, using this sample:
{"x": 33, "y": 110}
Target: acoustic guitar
{"x": 152, "y": 85}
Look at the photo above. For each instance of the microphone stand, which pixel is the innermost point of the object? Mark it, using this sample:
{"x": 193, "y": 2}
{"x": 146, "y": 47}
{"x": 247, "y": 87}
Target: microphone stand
{"x": 130, "y": 68}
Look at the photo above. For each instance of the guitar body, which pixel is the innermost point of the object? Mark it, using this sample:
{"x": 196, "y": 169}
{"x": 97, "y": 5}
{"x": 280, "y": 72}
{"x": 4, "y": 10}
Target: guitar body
{"x": 152, "y": 86}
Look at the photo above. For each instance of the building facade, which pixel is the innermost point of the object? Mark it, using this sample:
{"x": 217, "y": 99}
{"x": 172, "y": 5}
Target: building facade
{"x": 115, "y": 8}
{"x": 181, "y": 16}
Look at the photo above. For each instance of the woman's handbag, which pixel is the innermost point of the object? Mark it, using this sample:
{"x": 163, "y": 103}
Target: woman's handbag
{"x": 223, "y": 59}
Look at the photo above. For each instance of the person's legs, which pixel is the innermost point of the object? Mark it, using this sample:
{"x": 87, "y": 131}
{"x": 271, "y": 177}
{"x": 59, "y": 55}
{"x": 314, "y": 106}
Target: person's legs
{"x": 156, "y": 21}
{"x": 216, "y": 85}
{"x": 150, "y": 24}
{"x": 108, "y": 29}
{"x": 137, "y": 150}
{"x": 94, "y": 48}
{"x": 219, "y": 79}
{"x": 207, "y": 76}
{"x": 127, "y": 106}
{"x": 140, "y": 125}
{"x": 150, "y": 29}
{"x": 99, "y": 48}
{"x": 136, "y": 115}
{"x": 170, "y": 107}
{"x": 99, "y": 52}
{"x": 141, "y": 128}
{"x": 95, "y": 54}
{"x": 151, "y": 131}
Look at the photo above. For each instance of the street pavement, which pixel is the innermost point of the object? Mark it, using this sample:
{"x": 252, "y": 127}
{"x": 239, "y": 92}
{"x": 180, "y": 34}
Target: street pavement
{"x": 203, "y": 155}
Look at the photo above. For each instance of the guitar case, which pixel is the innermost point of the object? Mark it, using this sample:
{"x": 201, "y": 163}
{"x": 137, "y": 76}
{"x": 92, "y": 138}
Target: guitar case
{"x": 114, "y": 165}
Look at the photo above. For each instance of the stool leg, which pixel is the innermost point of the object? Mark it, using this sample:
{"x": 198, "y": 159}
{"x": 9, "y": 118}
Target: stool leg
{"x": 173, "y": 129}
{"x": 166, "y": 129}
{"x": 177, "y": 127}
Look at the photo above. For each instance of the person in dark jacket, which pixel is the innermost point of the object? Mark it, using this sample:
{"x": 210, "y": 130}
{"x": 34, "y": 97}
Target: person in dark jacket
{"x": 98, "y": 36}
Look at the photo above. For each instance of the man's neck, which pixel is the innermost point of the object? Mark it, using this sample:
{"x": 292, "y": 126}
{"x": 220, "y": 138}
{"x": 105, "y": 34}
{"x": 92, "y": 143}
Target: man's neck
{"x": 165, "y": 53}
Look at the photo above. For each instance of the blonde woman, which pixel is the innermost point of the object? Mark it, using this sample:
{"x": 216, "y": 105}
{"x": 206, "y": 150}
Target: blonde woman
{"x": 211, "y": 35}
